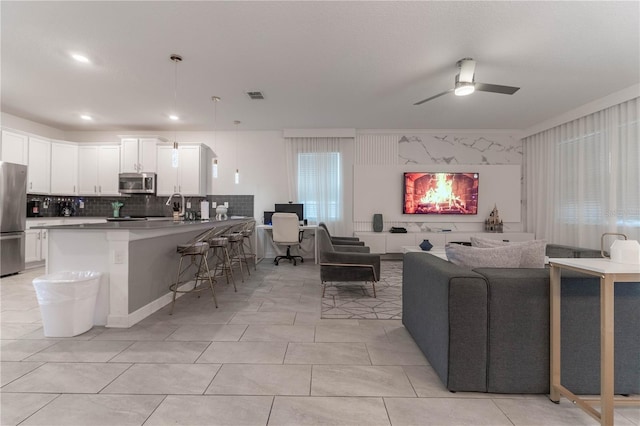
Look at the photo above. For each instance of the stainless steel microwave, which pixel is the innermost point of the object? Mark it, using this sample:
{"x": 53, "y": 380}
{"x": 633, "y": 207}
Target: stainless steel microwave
{"x": 137, "y": 183}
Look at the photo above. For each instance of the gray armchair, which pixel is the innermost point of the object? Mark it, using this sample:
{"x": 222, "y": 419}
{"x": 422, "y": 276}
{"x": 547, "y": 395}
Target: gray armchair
{"x": 345, "y": 241}
{"x": 346, "y": 263}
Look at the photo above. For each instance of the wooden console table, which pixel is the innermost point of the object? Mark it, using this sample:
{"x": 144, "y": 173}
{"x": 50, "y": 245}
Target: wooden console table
{"x": 609, "y": 273}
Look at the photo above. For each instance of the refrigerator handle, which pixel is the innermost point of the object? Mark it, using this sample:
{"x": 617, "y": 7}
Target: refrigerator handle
{"x": 16, "y": 236}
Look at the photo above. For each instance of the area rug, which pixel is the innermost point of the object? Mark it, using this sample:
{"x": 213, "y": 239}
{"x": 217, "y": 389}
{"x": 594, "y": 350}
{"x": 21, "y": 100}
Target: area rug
{"x": 351, "y": 300}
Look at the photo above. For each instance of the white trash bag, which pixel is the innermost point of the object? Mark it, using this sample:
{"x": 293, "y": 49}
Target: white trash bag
{"x": 67, "y": 301}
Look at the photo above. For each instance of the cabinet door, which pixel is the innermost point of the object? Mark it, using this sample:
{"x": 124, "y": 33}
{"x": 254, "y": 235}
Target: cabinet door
{"x": 64, "y": 169}
{"x": 108, "y": 169}
{"x": 15, "y": 148}
{"x": 32, "y": 246}
{"x": 189, "y": 170}
{"x": 167, "y": 174}
{"x": 147, "y": 154}
{"x": 39, "y": 172}
{"x": 44, "y": 244}
{"x": 377, "y": 242}
{"x": 395, "y": 242}
{"x": 129, "y": 156}
{"x": 88, "y": 170}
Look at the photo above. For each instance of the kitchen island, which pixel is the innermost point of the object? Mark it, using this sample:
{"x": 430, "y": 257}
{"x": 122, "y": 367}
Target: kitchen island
{"x": 138, "y": 260}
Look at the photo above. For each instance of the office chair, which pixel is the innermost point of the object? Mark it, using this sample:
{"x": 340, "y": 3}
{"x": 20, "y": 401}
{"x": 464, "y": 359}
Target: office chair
{"x": 286, "y": 231}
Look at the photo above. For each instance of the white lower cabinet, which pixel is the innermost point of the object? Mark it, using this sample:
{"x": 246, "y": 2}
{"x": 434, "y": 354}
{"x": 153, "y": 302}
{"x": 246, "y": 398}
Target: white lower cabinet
{"x": 386, "y": 242}
{"x": 36, "y": 242}
{"x": 33, "y": 245}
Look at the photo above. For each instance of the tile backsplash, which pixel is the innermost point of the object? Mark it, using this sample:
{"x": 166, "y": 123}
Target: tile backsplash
{"x": 138, "y": 205}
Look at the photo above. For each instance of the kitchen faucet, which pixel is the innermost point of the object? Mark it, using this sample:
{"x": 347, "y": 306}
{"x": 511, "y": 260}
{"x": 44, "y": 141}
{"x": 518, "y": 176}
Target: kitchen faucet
{"x": 181, "y": 205}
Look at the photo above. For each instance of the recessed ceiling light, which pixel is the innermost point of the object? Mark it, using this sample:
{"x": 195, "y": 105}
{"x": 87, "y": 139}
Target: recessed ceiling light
{"x": 80, "y": 58}
{"x": 86, "y": 117}
{"x": 174, "y": 117}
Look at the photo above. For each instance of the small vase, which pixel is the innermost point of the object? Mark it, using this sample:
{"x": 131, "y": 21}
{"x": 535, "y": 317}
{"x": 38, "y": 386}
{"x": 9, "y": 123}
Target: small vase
{"x": 426, "y": 245}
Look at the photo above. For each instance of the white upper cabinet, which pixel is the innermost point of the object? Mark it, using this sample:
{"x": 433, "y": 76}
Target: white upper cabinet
{"x": 98, "y": 168}
{"x": 109, "y": 169}
{"x": 190, "y": 177}
{"x": 39, "y": 172}
{"x": 138, "y": 155}
{"x": 64, "y": 168}
{"x": 14, "y": 147}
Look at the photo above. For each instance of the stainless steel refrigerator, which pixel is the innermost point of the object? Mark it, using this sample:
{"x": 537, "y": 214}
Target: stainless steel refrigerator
{"x": 13, "y": 216}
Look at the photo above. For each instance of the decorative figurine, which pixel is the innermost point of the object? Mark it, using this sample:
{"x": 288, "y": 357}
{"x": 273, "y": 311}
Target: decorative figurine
{"x": 493, "y": 223}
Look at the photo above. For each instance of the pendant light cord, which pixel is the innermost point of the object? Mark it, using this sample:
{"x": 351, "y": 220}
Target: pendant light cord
{"x": 175, "y": 99}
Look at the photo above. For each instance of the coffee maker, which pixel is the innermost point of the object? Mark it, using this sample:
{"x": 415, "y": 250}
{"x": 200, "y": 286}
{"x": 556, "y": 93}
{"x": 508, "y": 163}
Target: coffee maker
{"x": 34, "y": 208}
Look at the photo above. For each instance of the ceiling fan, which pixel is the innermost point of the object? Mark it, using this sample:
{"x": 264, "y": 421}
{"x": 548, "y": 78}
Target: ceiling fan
{"x": 465, "y": 84}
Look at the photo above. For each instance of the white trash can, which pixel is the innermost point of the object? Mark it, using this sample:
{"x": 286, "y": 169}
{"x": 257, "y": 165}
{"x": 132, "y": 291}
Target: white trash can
{"x": 67, "y": 301}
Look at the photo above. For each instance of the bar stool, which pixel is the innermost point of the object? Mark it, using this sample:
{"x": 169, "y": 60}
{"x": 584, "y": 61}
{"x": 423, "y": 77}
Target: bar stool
{"x": 197, "y": 251}
{"x": 236, "y": 251}
{"x": 220, "y": 255}
{"x": 247, "y": 234}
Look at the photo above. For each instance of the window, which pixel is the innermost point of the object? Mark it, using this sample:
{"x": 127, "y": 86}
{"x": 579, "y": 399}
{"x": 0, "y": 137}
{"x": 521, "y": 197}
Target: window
{"x": 319, "y": 185}
{"x": 584, "y": 176}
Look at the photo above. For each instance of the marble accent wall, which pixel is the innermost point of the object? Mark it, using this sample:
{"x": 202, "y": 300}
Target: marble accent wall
{"x": 441, "y": 148}
{"x": 459, "y": 149}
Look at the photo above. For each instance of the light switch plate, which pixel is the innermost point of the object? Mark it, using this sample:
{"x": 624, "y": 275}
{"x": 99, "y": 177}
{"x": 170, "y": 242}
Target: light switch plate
{"x": 226, "y": 204}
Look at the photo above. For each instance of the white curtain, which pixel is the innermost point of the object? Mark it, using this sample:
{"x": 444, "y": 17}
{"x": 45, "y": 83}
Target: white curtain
{"x": 582, "y": 178}
{"x": 315, "y": 172}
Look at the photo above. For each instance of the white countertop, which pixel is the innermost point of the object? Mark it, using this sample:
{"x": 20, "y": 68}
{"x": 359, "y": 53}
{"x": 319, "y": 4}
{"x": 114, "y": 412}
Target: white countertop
{"x": 601, "y": 266}
{"x": 141, "y": 224}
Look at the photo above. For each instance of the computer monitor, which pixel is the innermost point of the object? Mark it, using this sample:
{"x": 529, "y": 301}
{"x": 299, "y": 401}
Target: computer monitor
{"x": 267, "y": 217}
{"x": 291, "y": 208}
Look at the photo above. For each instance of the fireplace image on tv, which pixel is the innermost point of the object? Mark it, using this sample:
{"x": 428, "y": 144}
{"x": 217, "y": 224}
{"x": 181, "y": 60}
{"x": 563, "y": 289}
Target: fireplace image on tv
{"x": 440, "y": 193}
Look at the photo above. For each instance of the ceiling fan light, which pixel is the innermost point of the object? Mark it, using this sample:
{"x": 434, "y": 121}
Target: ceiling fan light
{"x": 464, "y": 89}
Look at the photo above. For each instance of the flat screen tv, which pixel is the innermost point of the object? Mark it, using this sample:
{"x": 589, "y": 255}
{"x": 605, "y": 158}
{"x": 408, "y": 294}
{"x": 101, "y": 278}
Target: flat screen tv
{"x": 440, "y": 193}
{"x": 291, "y": 208}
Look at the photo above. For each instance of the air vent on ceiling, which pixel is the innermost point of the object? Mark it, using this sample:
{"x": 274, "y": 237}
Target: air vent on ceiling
{"x": 255, "y": 95}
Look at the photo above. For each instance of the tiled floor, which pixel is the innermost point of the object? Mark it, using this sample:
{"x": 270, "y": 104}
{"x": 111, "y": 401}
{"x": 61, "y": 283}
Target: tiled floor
{"x": 264, "y": 357}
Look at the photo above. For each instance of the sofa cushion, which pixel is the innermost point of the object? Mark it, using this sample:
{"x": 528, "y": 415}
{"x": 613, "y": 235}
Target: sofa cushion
{"x": 476, "y": 257}
{"x": 533, "y": 252}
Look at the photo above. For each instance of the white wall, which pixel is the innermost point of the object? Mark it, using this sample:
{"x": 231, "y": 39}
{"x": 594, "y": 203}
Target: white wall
{"x": 260, "y": 159}
{"x": 16, "y": 123}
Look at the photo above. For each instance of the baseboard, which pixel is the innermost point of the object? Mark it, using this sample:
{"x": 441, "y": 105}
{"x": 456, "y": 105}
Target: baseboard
{"x": 122, "y": 321}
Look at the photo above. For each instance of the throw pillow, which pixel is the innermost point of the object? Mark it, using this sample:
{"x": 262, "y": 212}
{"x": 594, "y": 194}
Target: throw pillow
{"x": 533, "y": 252}
{"x": 476, "y": 257}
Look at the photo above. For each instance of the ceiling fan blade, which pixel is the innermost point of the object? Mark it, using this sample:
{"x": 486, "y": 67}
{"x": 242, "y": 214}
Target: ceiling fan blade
{"x": 496, "y": 88}
{"x": 433, "y": 97}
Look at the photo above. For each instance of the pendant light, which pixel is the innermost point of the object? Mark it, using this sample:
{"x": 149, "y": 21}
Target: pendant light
{"x": 237, "y": 177}
{"x": 214, "y": 165}
{"x": 174, "y": 153}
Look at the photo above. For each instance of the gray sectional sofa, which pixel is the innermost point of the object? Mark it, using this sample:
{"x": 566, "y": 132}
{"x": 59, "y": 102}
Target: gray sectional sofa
{"x": 487, "y": 329}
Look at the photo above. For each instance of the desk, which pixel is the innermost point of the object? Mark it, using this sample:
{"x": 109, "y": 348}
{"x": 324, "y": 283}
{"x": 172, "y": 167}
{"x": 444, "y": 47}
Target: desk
{"x": 264, "y": 228}
{"x": 609, "y": 273}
